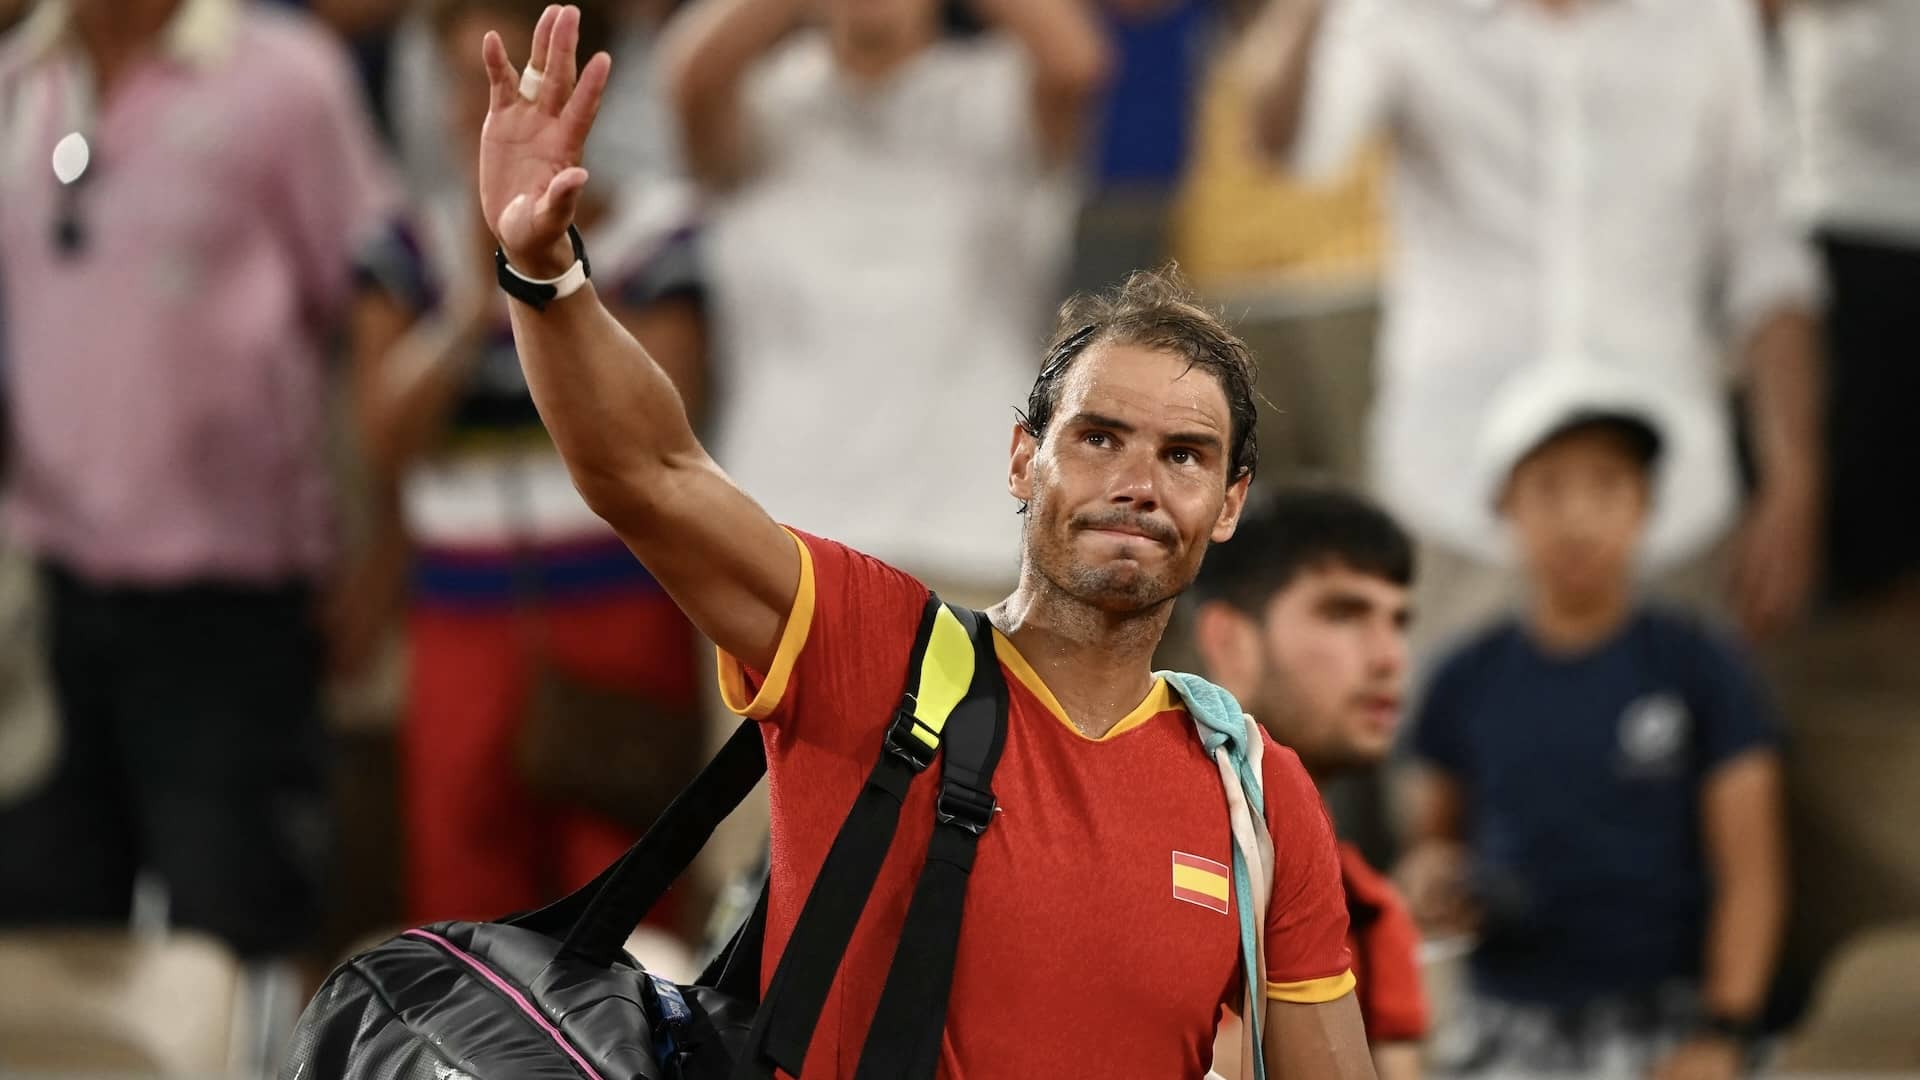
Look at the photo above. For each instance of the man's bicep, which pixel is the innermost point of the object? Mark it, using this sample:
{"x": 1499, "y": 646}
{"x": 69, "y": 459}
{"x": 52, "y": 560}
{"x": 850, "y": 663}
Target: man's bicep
{"x": 1741, "y": 812}
{"x": 736, "y": 574}
{"x": 1319, "y": 1041}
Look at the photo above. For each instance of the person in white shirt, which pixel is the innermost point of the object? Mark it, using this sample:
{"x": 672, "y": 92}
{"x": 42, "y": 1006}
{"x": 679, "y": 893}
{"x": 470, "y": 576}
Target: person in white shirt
{"x": 1574, "y": 180}
{"x": 889, "y": 209}
{"x": 1857, "y": 183}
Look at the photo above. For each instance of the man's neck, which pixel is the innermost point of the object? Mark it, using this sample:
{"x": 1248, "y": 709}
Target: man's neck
{"x": 1099, "y": 665}
{"x": 1567, "y": 627}
{"x": 114, "y": 31}
{"x": 872, "y": 65}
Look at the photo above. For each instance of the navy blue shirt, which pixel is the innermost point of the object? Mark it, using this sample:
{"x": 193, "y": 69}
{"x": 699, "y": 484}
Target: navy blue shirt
{"x": 1581, "y": 776}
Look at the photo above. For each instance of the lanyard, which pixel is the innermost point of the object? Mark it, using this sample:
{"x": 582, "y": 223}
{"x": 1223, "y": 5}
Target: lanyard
{"x": 73, "y": 155}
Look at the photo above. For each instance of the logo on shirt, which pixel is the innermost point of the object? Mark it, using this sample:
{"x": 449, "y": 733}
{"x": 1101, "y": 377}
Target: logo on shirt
{"x": 1201, "y": 881}
{"x": 1653, "y": 732}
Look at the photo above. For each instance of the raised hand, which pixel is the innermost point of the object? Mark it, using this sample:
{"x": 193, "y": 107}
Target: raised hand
{"x": 530, "y": 174}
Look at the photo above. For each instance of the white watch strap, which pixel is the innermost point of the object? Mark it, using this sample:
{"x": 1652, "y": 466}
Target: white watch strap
{"x": 563, "y": 286}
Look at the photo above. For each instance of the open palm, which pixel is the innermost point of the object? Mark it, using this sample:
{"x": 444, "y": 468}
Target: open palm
{"x": 530, "y": 174}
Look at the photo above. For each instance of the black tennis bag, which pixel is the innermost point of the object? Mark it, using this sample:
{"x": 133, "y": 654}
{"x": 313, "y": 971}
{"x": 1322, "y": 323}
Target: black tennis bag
{"x": 552, "y": 994}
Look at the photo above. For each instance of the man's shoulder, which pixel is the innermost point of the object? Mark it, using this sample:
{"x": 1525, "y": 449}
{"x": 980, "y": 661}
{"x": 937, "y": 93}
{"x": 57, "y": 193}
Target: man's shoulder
{"x": 1286, "y": 785}
{"x": 1685, "y": 637}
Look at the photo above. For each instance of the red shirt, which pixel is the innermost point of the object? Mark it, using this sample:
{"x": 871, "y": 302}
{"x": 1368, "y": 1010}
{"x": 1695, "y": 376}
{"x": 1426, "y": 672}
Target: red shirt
{"x": 1386, "y": 953}
{"x": 1084, "y": 951}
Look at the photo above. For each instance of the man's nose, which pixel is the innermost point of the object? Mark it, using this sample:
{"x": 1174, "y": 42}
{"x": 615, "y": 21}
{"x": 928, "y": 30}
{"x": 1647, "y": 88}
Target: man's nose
{"x": 1136, "y": 483}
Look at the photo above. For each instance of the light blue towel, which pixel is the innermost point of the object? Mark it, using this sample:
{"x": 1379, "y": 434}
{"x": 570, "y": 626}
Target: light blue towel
{"x": 1220, "y": 722}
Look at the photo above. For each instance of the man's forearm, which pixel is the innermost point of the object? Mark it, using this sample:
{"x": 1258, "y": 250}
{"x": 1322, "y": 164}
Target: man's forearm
{"x": 1743, "y": 941}
{"x": 1276, "y": 58}
{"x": 613, "y": 413}
{"x": 707, "y": 52}
{"x": 1783, "y": 361}
{"x": 711, "y": 44}
{"x": 1746, "y": 848}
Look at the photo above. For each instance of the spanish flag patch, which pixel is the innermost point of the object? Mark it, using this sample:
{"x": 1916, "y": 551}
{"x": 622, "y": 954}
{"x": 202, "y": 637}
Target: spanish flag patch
{"x": 1201, "y": 881}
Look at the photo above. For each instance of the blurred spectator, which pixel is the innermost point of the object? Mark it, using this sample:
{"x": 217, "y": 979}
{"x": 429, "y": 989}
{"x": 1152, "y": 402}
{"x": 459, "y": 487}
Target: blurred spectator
{"x": 518, "y": 590}
{"x": 889, "y": 211}
{"x": 1141, "y": 147}
{"x": 1572, "y": 179}
{"x": 634, "y": 140}
{"x": 1600, "y": 795}
{"x": 1303, "y": 618}
{"x": 166, "y": 311}
{"x": 1855, "y": 84}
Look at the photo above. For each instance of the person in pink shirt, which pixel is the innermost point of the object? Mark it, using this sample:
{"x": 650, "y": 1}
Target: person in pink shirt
{"x": 181, "y": 186}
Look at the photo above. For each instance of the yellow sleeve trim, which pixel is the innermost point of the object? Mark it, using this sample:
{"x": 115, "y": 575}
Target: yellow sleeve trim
{"x": 1313, "y": 991}
{"x": 733, "y": 677}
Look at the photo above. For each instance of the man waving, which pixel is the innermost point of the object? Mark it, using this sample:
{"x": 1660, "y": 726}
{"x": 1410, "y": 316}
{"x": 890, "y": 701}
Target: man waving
{"x": 1101, "y": 937}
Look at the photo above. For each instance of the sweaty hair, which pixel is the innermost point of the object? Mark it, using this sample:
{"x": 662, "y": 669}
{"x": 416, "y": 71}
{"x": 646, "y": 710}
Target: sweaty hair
{"x": 596, "y": 20}
{"x": 1152, "y": 309}
{"x": 1300, "y": 529}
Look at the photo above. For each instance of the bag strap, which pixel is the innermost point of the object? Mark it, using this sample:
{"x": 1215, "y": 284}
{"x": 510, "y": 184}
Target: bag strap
{"x": 942, "y": 673}
{"x": 596, "y": 919}
{"x": 904, "y": 1038}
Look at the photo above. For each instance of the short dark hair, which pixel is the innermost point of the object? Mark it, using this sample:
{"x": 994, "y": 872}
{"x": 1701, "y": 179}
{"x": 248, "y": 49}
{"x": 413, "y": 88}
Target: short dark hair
{"x": 1153, "y": 309}
{"x": 1298, "y": 529}
{"x": 597, "y": 30}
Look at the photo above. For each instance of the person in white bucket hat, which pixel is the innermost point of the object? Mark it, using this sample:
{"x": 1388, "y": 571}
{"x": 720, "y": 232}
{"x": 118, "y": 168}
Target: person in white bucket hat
{"x": 1692, "y": 505}
{"x": 1598, "y": 797}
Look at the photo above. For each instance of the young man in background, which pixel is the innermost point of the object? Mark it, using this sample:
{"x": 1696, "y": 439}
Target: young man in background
{"x": 1303, "y": 617}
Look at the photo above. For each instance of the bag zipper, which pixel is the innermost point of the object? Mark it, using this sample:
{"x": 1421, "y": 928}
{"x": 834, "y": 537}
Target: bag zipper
{"x": 512, "y": 994}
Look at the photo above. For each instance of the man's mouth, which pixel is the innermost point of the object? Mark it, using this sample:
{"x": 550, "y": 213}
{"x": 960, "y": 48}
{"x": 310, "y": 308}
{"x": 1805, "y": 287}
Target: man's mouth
{"x": 1127, "y": 530}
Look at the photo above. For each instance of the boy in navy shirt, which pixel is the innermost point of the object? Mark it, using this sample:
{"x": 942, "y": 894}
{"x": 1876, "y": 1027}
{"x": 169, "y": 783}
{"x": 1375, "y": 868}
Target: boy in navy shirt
{"x": 1600, "y": 798}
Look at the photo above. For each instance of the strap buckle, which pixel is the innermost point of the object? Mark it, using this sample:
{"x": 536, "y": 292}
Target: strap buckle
{"x": 969, "y": 808}
{"x": 903, "y": 743}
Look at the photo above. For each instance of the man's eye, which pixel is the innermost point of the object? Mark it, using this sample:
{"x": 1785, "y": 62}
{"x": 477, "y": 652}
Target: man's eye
{"x": 1095, "y": 438}
{"x": 1180, "y": 455}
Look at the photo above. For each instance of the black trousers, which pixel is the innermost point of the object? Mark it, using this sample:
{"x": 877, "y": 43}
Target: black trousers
{"x": 192, "y": 748}
{"x": 1873, "y": 344}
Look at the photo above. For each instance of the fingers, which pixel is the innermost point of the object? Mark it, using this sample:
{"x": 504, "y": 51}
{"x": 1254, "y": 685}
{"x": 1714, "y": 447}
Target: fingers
{"x": 543, "y": 37}
{"x": 558, "y": 60}
{"x": 584, "y": 105}
{"x": 554, "y": 210}
{"x": 503, "y": 83}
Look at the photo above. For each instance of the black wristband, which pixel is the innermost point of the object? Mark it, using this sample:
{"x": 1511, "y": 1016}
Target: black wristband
{"x": 1732, "y": 1028}
{"x": 535, "y": 294}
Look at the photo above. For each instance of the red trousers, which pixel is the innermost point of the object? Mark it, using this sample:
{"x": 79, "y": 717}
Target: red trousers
{"x": 479, "y": 845}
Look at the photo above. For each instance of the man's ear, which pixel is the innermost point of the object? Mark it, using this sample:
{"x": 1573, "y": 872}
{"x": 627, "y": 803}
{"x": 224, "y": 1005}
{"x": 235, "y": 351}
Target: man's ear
{"x": 1020, "y": 464}
{"x": 1236, "y": 501}
{"x": 1229, "y": 645}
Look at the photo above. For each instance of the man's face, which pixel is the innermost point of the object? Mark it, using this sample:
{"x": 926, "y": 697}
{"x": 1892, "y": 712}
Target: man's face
{"x": 1577, "y": 506}
{"x": 880, "y": 26}
{"x": 1130, "y": 483}
{"x": 1333, "y": 645}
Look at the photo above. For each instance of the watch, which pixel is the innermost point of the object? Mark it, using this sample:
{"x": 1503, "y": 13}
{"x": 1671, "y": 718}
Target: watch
{"x": 537, "y": 293}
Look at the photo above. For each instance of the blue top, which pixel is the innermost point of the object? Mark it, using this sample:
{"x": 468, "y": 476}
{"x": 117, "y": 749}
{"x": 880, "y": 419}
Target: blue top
{"x": 1148, "y": 113}
{"x": 1582, "y": 776}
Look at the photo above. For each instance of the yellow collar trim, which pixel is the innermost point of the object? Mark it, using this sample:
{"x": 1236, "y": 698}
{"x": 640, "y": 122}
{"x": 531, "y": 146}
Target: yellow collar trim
{"x": 1159, "y": 699}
